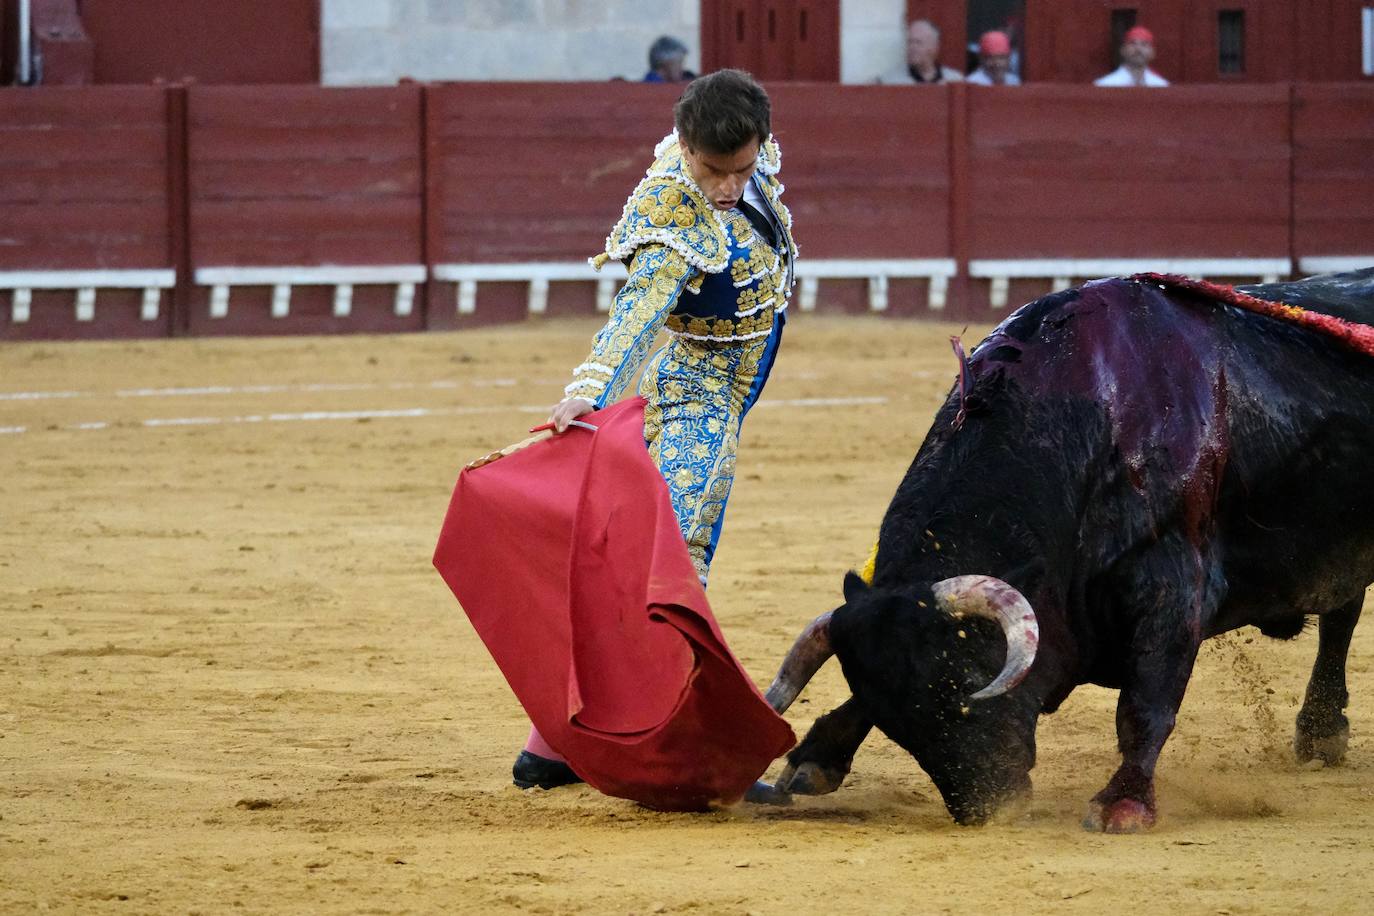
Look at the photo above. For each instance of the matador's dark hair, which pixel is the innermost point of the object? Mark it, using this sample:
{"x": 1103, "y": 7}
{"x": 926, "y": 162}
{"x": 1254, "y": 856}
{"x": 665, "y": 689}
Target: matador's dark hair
{"x": 722, "y": 111}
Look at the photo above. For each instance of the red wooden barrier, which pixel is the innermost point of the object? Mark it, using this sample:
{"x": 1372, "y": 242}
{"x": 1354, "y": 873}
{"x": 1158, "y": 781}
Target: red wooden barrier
{"x": 312, "y": 179}
{"x": 867, "y": 171}
{"x": 83, "y": 186}
{"x": 533, "y": 172}
{"x": 1061, "y": 172}
{"x": 1333, "y": 170}
{"x": 1078, "y": 172}
{"x": 304, "y": 176}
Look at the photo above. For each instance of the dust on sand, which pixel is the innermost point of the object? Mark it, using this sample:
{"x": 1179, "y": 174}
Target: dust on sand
{"x": 230, "y": 680}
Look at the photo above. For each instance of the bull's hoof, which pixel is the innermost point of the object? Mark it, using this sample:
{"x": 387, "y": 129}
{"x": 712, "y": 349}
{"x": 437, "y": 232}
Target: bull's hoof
{"x": 810, "y": 779}
{"x": 761, "y": 793}
{"x": 1016, "y": 806}
{"x": 1126, "y": 815}
{"x": 1329, "y": 749}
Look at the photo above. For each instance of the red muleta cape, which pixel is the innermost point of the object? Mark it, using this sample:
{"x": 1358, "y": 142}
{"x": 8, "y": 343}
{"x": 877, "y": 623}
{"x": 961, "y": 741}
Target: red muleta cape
{"x": 568, "y": 560}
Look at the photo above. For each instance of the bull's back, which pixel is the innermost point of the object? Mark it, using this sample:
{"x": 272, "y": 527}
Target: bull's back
{"x": 1295, "y": 512}
{"x": 1348, "y": 296}
{"x": 1254, "y": 432}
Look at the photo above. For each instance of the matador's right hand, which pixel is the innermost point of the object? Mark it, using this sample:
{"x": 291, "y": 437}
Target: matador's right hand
{"x": 567, "y": 410}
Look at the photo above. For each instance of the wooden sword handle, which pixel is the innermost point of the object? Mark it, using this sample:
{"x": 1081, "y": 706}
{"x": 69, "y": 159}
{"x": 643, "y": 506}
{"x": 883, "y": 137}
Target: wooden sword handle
{"x": 544, "y": 433}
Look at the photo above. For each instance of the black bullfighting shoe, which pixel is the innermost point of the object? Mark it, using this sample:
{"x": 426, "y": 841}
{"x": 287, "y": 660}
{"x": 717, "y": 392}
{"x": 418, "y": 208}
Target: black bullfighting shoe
{"x": 531, "y": 770}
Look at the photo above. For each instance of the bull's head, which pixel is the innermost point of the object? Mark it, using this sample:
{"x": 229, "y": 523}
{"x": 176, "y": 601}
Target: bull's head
{"x": 928, "y": 667}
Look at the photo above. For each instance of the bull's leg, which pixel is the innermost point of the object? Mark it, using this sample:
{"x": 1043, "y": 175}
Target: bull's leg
{"x": 821, "y": 762}
{"x": 1145, "y": 714}
{"x": 1169, "y": 593}
{"x": 1323, "y": 729}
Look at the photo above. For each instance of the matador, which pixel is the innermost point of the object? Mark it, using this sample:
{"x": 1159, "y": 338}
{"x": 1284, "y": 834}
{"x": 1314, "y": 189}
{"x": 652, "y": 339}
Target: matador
{"x": 708, "y": 245}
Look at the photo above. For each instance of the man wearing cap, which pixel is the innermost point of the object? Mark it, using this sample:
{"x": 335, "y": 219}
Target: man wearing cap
{"x": 994, "y": 61}
{"x": 666, "y": 62}
{"x": 1137, "y": 50}
{"x": 922, "y": 66}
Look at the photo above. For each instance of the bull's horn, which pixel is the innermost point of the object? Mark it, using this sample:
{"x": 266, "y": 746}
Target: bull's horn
{"x": 984, "y": 596}
{"x": 810, "y": 651}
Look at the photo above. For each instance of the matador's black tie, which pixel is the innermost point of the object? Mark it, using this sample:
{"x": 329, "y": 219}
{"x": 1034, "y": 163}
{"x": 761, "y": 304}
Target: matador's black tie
{"x": 760, "y": 222}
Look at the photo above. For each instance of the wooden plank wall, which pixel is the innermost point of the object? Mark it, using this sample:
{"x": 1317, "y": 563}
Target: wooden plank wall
{"x": 1060, "y": 171}
{"x": 533, "y": 172}
{"x": 83, "y": 185}
{"x": 1333, "y": 169}
{"x": 887, "y": 196}
{"x": 148, "y": 177}
{"x": 283, "y": 176}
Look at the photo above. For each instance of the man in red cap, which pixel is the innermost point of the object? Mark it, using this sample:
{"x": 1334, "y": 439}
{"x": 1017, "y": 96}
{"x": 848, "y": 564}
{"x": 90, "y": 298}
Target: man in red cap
{"x": 1137, "y": 50}
{"x": 994, "y": 61}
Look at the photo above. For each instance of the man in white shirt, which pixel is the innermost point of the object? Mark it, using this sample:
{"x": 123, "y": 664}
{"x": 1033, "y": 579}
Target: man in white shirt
{"x": 1137, "y": 50}
{"x": 994, "y": 62}
{"x": 922, "y": 64}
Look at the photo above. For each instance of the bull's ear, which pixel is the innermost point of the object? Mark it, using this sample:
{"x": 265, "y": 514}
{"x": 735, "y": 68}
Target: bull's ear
{"x": 854, "y": 586}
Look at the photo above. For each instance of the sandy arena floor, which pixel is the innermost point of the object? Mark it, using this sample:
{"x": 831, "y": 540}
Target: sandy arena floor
{"x": 230, "y": 680}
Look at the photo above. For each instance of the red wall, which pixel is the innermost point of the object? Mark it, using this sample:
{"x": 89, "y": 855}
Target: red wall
{"x": 1061, "y": 170}
{"x": 1333, "y": 169}
{"x": 207, "y": 41}
{"x": 302, "y": 175}
{"x": 773, "y": 39}
{"x": 532, "y": 172}
{"x": 1070, "y": 41}
{"x": 133, "y": 177}
{"x": 866, "y": 169}
{"x": 537, "y": 171}
{"x": 83, "y": 178}
{"x": 83, "y": 184}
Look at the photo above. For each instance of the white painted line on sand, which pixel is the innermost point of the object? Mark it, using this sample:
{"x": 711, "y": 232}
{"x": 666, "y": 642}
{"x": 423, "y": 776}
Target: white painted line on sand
{"x": 409, "y": 413}
{"x": 825, "y": 402}
{"x": 203, "y": 390}
{"x": 40, "y": 395}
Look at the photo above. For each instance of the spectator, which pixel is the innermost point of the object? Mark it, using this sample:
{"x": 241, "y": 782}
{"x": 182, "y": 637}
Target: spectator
{"x": 994, "y": 62}
{"x": 1137, "y": 50}
{"x": 666, "y": 57}
{"x": 922, "y": 59}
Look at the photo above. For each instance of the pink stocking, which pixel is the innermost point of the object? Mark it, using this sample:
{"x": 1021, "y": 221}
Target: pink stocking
{"x": 536, "y": 745}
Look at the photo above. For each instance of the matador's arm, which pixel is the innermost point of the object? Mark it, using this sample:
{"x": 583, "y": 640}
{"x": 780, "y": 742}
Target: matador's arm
{"x": 658, "y": 275}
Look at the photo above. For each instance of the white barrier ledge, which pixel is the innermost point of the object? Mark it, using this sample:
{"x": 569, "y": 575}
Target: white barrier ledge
{"x": 1061, "y": 271}
{"x": 878, "y": 272}
{"x": 342, "y": 277}
{"x": 538, "y": 274}
{"x": 88, "y": 279}
{"x": 1335, "y": 264}
{"x": 85, "y": 283}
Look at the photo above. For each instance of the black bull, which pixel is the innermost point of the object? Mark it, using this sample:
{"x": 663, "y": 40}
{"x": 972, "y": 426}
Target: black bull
{"x": 1148, "y": 467}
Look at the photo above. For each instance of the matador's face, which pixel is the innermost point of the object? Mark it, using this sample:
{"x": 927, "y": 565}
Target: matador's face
{"x": 722, "y": 176}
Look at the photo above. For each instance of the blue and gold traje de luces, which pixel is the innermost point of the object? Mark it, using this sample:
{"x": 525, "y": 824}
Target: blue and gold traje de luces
{"x": 720, "y": 291}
